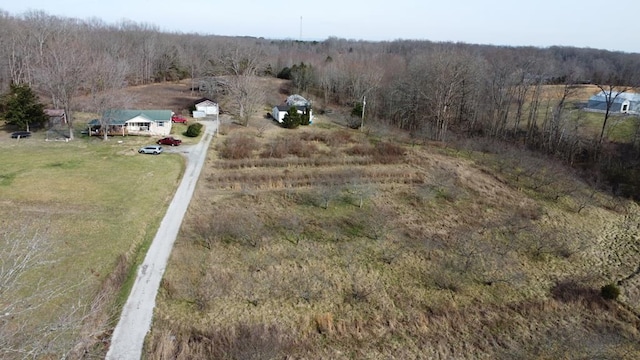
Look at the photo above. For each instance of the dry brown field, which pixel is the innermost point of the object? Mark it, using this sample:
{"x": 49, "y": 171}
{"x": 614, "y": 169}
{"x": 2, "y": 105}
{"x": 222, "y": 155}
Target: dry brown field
{"x": 326, "y": 242}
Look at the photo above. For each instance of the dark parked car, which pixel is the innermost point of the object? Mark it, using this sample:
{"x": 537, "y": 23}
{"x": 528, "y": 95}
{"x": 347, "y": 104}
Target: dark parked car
{"x": 169, "y": 141}
{"x": 20, "y": 134}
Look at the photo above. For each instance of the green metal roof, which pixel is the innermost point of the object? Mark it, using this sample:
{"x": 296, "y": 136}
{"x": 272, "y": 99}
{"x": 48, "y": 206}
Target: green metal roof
{"x": 120, "y": 117}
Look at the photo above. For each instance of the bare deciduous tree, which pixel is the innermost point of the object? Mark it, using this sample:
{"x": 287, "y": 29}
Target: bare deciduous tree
{"x": 611, "y": 93}
{"x": 360, "y": 187}
{"x": 243, "y": 63}
{"x": 25, "y": 287}
{"x": 63, "y": 70}
{"x": 327, "y": 193}
{"x": 108, "y": 77}
{"x": 447, "y": 72}
{"x": 15, "y": 49}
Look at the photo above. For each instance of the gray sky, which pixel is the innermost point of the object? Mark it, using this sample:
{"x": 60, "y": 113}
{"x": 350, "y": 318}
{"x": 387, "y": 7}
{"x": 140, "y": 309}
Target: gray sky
{"x": 596, "y": 24}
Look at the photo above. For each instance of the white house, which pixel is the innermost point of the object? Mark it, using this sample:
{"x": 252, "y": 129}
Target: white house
{"x": 133, "y": 122}
{"x": 278, "y": 112}
{"x": 294, "y": 101}
{"x": 207, "y": 106}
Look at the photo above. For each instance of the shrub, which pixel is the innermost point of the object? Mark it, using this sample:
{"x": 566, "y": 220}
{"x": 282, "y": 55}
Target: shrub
{"x": 389, "y": 149}
{"x": 193, "y": 130}
{"x": 339, "y": 138}
{"x": 319, "y": 136}
{"x": 238, "y": 146}
{"x": 610, "y": 291}
{"x": 301, "y": 149}
{"x": 387, "y": 153}
{"x": 360, "y": 150}
{"x": 276, "y": 149}
{"x": 281, "y": 147}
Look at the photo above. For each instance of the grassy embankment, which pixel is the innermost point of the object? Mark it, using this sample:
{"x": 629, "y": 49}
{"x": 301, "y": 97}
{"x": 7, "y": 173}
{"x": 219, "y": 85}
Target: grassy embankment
{"x": 94, "y": 206}
{"x": 323, "y": 242}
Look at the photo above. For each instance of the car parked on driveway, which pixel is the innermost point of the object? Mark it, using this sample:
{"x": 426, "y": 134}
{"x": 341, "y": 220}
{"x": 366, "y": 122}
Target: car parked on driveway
{"x": 20, "y": 134}
{"x": 178, "y": 119}
{"x": 170, "y": 140}
{"x": 151, "y": 149}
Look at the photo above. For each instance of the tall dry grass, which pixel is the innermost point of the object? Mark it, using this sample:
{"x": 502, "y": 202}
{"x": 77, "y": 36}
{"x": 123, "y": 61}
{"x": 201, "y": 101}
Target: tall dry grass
{"x": 471, "y": 260}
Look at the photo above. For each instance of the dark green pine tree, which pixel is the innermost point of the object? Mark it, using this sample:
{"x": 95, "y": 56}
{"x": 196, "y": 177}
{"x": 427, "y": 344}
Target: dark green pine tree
{"x": 22, "y": 108}
{"x": 292, "y": 119}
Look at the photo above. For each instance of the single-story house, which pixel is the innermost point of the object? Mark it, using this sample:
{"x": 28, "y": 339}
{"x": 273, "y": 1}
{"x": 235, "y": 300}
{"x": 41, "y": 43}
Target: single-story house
{"x": 623, "y": 103}
{"x": 207, "y": 106}
{"x": 279, "y": 111}
{"x": 133, "y": 122}
{"x": 301, "y": 104}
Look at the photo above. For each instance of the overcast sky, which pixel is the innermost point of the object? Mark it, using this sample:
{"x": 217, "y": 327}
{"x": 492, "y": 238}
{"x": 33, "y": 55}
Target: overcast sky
{"x": 596, "y": 24}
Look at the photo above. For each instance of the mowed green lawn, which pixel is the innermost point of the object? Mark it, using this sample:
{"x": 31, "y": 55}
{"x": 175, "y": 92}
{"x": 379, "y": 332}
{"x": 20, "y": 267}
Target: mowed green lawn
{"x": 92, "y": 201}
{"x": 620, "y": 128}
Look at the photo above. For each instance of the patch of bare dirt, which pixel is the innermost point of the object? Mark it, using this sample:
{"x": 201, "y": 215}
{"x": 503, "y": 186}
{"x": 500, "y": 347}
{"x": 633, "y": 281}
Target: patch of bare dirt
{"x": 178, "y": 96}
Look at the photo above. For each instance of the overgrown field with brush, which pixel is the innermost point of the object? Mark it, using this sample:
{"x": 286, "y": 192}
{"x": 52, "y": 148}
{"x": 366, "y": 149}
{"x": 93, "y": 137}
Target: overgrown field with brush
{"x": 324, "y": 242}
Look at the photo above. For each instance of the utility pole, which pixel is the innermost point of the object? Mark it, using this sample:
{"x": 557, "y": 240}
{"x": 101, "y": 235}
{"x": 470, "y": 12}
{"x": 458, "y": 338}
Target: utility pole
{"x": 217, "y": 120}
{"x": 364, "y": 103}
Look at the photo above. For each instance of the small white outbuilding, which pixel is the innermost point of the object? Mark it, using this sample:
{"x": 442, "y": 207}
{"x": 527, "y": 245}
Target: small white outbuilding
{"x": 207, "y": 106}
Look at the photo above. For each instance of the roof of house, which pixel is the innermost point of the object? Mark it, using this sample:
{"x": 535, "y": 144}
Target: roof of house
{"x": 287, "y": 107}
{"x": 120, "y": 116}
{"x": 54, "y": 112}
{"x": 297, "y": 100}
{"x": 619, "y": 96}
{"x": 204, "y": 100}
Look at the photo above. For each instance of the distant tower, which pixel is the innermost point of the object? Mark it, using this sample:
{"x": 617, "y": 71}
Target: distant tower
{"x": 300, "y": 28}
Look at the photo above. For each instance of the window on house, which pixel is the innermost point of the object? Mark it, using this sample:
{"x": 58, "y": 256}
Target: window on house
{"x": 160, "y": 123}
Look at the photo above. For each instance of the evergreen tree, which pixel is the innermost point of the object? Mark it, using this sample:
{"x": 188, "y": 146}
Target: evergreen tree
{"x": 302, "y": 76}
{"x": 285, "y": 73}
{"x": 22, "y": 108}
{"x": 292, "y": 119}
{"x": 357, "y": 110}
{"x": 305, "y": 118}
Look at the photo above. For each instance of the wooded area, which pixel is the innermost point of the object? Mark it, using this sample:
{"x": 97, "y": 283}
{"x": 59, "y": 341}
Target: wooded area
{"x": 432, "y": 89}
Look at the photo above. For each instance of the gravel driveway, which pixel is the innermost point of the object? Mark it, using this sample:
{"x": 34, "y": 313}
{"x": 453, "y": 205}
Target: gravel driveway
{"x": 135, "y": 320}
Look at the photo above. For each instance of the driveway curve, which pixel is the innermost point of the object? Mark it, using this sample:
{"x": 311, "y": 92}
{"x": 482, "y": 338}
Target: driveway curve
{"x": 135, "y": 320}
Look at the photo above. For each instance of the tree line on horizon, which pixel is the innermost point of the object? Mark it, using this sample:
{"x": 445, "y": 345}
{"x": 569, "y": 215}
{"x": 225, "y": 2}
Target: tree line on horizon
{"x": 436, "y": 91}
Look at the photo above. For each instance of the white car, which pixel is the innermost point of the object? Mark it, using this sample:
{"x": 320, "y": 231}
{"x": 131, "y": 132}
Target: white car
{"x": 151, "y": 149}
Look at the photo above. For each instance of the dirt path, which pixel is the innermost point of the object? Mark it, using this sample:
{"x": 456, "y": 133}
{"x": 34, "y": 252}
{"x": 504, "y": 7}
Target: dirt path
{"x": 135, "y": 320}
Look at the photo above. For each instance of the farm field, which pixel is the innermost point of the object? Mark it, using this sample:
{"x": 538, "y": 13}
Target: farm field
{"x": 620, "y": 128}
{"x": 325, "y": 242}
